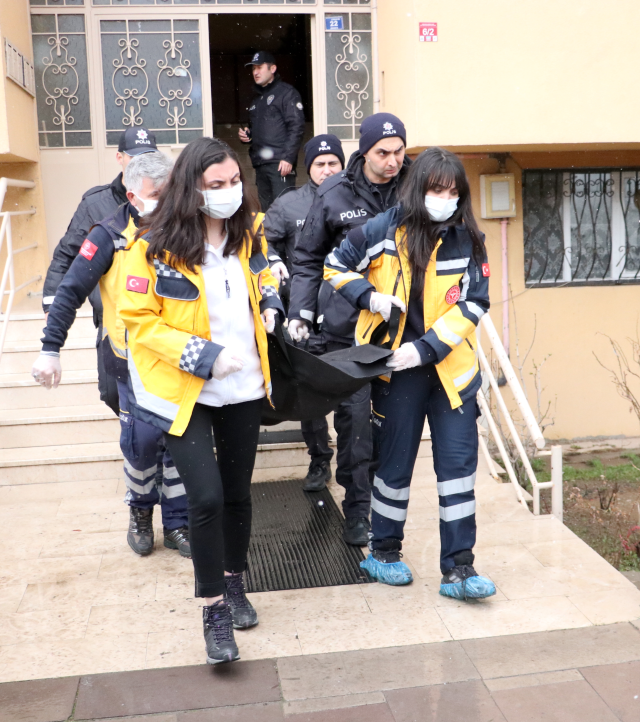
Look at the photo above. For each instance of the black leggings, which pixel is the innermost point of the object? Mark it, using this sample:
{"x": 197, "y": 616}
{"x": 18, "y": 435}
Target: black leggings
{"x": 218, "y": 491}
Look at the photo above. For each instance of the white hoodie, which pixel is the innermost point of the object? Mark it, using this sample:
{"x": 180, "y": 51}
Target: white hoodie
{"x": 231, "y": 321}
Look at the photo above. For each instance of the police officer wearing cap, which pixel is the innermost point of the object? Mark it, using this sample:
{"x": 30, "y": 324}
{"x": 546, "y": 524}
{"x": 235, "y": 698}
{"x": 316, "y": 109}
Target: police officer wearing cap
{"x": 283, "y": 224}
{"x": 97, "y": 203}
{"x": 275, "y": 131}
{"x": 368, "y": 186}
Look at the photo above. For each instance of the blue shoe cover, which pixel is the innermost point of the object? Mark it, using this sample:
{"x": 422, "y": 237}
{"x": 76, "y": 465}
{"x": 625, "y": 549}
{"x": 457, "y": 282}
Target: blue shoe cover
{"x": 396, "y": 574}
{"x": 472, "y": 588}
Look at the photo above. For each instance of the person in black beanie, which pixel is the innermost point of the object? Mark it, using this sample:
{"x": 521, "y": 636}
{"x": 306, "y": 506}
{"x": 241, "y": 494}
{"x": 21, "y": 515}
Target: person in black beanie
{"x": 368, "y": 186}
{"x": 283, "y": 224}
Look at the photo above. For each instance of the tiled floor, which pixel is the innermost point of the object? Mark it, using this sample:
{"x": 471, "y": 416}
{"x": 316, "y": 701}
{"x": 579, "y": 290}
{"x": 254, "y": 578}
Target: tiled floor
{"x": 74, "y": 600}
{"x": 441, "y": 682}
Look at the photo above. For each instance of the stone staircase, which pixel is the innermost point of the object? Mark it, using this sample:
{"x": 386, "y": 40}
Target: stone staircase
{"x": 67, "y": 434}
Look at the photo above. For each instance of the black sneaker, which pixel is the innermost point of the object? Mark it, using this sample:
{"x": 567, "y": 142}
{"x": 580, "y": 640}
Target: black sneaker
{"x": 178, "y": 539}
{"x": 218, "y": 633}
{"x": 140, "y": 534}
{"x": 356, "y": 531}
{"x": 242, "y": 611}
{"x": 317, "y": 476}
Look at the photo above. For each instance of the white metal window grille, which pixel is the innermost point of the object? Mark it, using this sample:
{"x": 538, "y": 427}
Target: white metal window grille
{"x": 55, "y": 3}
{"x": 349, "y": 72}
{"x": 19, "y": 69}
{"x": 203, "y": 2}
{"x": 62, "y": 82}
{"x": 581, "y": 227}
{"x": 151, "y": 71}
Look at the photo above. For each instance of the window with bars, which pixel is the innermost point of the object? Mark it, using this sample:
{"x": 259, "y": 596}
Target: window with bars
{"x": 581, "y": 226}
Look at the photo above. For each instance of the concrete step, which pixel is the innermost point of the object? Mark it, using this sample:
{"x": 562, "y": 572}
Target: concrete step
{"x": 20, "y": 391}
{"x": 28, "y": 327}
{"x": 22, "y": 428}
{"x": 77, "y": 355}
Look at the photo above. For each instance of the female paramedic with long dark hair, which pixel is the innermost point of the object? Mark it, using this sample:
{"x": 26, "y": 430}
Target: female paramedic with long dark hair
{"x": 427, "y": 257}
{"x": 199, "y": 301}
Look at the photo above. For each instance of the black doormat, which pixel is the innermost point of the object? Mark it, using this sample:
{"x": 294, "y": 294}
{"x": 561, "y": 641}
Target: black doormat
{"x": 296, "y": 540}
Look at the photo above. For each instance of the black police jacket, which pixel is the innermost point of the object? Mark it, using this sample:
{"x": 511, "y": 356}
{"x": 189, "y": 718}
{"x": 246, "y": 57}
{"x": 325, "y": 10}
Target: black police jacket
{"x": 96, "y": 204}
{"x": 276, "y": 119}
{"x": 284, "y": 221}
{"x": 342, "y": 202}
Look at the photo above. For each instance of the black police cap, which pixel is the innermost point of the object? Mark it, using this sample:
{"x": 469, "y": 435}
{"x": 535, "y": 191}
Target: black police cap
{"x": 263, "y": 56}
{"x": 136, "y": 141}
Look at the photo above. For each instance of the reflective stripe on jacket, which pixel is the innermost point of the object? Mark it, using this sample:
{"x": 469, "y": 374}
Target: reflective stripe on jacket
{"x": 169, "y": 340}
{"x": 456, "y": 293}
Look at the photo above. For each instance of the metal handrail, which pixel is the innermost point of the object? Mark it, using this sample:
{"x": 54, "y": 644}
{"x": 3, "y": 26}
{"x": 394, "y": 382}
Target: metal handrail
{"x": 8, "y": 275}
{"x": 529, "y": 420}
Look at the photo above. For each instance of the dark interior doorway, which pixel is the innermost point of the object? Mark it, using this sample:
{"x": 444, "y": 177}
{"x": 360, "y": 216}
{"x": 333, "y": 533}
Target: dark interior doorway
{"x": 233, "y": 39}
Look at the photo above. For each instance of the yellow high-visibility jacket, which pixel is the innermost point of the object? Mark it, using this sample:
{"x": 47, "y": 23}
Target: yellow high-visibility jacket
{"x": 99, "y": 262}
{"x": 170, "y": 350}
{"x": 456, "y": 294}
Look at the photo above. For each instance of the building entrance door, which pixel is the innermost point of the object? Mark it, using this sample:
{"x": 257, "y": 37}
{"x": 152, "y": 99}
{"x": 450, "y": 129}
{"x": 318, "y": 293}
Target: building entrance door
{"x": 233, "y": 40}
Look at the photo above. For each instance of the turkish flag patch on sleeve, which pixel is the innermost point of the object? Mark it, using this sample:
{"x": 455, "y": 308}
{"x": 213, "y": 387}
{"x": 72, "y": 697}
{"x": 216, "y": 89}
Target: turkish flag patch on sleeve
{"x": 88, "y": 249}
{"x": 485, "y": 270}
{"x": 137, "y": 284}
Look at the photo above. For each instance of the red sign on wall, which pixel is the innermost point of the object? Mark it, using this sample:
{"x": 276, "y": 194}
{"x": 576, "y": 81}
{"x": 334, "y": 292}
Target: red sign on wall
{"x": 428, "y": 32}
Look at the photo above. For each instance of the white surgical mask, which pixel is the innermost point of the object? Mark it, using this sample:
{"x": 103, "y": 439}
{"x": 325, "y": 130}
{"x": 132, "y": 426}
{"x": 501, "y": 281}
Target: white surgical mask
{"x": 223, "y": 202}
{"x": 148, "y": 206}
{"x": 440, "y": 209}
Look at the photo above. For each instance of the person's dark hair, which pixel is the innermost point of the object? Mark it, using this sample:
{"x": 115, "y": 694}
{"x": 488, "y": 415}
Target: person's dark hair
{"x": 434, "y": 168}
{"x": 177, "y": 224}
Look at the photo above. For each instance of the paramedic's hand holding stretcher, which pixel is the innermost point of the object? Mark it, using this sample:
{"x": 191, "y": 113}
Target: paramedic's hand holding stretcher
{"x": 269, "y": 320}
{"x": 298, "y": 329}
{"x": 47, "y": 371}
{"x": 381, "y": 303}
{"x": 405, "y": 357}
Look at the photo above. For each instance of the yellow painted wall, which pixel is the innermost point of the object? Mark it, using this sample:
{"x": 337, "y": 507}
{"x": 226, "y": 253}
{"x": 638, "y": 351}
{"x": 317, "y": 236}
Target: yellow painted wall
{"x": 512, "y": 72}
{"x": 568, "y": 325}
{"x": 19, "y": 155}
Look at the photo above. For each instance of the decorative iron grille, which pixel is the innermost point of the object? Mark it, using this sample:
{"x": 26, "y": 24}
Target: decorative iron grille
{"x": 581, "y": 227}
{"x": 204, "y": 2}
{"x": 56, "y": 3}
{"x": 349, "y": 91}
{"x": 62, "y": 81}
{"x": 151, "y": 71}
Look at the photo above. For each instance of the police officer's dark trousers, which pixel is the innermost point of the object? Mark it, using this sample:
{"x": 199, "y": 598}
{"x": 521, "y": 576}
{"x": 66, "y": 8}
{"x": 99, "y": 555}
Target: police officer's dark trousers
{"x": 271, "y": 184}
{"x": 352, "y": 422}
{"x": 147, "y": 459}
{"x": 399, "y": 411}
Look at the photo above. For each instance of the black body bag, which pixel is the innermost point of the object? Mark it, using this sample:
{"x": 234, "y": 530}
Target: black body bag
{"x": 305, "y": 386}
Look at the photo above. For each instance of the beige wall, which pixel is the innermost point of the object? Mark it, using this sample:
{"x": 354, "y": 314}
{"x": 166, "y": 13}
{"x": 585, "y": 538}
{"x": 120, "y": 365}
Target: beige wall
{"x": 509, "y": 72}
{"x": 568, "y": 323}
{"x": 19, "y": 154}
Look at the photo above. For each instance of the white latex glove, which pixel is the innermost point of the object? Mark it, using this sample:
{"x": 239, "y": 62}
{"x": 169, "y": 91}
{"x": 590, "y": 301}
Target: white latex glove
{"x": 269, "y": 319}
{"x": 405, "y": 357}
{"x": 280, "y": 272}
{"x": 298, "y": 329}
{"x": 226, "y": 364}
{"x": 381, "y": 303}
{"x": 47, "y": 371}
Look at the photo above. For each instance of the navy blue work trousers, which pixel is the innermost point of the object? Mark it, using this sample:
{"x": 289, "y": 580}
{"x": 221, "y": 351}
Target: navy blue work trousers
{"x": 399, "y": 411}
{"x": 147, "y": 466}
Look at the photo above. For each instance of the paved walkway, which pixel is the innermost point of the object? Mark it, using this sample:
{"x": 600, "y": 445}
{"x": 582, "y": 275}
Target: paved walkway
{"x": 579, "y": 675}
{"x": 74, "y": 600}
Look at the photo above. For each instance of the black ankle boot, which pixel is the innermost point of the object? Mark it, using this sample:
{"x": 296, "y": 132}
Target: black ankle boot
{"x": 317, "y": 476}
{"x": 218, "y": 633}
{"x": 242, "y": 611}
{"x": 140, "y": 534}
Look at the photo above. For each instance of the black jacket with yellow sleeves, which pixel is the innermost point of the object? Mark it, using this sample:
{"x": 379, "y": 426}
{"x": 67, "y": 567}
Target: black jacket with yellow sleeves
{"x": 170, "y": 351}
{"x": 456, "y": 293}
